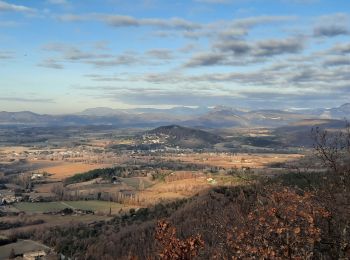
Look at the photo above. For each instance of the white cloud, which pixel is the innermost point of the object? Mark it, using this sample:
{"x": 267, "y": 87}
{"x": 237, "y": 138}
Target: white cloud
{"x": 57, "y": 2}
{"x": 7, "y": 7}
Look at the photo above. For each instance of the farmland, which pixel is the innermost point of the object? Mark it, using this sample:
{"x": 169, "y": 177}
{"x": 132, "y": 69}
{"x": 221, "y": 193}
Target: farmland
{"x": 112, "y": 176}
{"x": 41, "y": 207}
{"x": 62, "y": 170}
{"x": 237, "y": 160}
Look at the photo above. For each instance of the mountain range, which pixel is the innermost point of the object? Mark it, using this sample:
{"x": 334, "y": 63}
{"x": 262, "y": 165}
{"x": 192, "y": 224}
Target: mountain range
{"x": 220, "y": 116}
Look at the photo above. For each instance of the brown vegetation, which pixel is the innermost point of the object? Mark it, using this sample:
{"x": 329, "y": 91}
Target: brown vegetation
{"x": 173, "y": 248}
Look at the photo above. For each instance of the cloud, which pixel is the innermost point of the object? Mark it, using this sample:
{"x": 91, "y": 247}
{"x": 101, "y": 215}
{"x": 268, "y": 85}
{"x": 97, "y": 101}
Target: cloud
{"x": 206, "y": 59}
{"x": 332, "y": 25}
{"x": 289, "y": 81}
{"x": 284, "y": 73}
{"x": 130, "y": 21}
{"x": 58, "y": 2}
{"x": 236, "y": 47}
{"x": 74, "y": 18}
{"x": 161, "y": 54}
{"x": 5, "y": 55}
{"x": 204, "y": 97}
{"x": 239, "y": 52}
{"x": 337, "y": 61}
{"x": 51, "y": 64}
{"x": 7, "y": 7}
{"x": 234, "y": 29}
{"x": 233, "y": 33}
{"x": 127, "y": 58}
{"x": 278, "y": 47}
{"x": 101, "y": 45}
{"x": 100, "y": 56}
{"x": 72, "y": 53}
{"x": 119, "y": 20}
{"x": 301, "y": 1}
{"x": 341, "y": 48}
{"x": 331, "y": 30}
{"x": 27, "y": 100}
{"x": 103, "y": 78}
{"x": 159, "y": 96}
{"x": 261, "y": 20}
{"x": 214, "y": 1}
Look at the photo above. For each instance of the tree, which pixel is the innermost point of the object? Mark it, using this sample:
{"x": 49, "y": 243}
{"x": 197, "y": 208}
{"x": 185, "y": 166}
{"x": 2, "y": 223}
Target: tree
{"x": 333, "y": 149}
{"x": 58, "y": 189}
{"x": 12, "y": 254}
{"x": 141, "y": 185}
{"x": 172, "y": 248}
{"x": 282, "y": 226}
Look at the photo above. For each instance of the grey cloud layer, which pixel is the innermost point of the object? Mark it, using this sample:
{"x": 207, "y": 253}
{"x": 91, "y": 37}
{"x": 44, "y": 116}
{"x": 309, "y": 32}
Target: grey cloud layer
{"x": 101, "y": 57}
{"x": 333, "y": 25}
{"x": 127, "y": 21}
{"x": 238, "y": 52}
{"x": 27, "y": 100}
{"x": 331, "y": 30}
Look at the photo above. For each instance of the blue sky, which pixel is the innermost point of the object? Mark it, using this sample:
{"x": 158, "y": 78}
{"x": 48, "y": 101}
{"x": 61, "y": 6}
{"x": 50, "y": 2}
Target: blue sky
{"x": 62, "y": 56}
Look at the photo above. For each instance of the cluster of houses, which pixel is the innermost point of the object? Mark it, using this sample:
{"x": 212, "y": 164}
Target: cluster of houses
{"x": 154, "y": 139}
{"x": 9, "y": 198}
{"x": 76, "y": 154}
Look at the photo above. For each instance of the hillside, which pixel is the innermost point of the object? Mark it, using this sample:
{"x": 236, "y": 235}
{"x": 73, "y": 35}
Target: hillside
{"x": 220, "y": 117}
{"x": 215, "y": 117}
{"x": 274, "y": 118}
{"x": 229, "y": 220}
{"x": 299, "y": 133}
{"x": 184, "y": 137}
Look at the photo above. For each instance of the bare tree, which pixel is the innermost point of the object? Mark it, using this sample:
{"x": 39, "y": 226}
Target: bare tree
{"x": 333, "y": 148}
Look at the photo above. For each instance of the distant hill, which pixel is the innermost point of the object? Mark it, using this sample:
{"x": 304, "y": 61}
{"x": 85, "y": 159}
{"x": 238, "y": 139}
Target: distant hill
{"x": 274, "y": 118}
{"x": 24, "y": 117}
{"x": 175, "y": 111}
{"x": 340, "y": 112}
{"x": 229, "y": 117}
{"x": 203, "y": 117}
{"x": 299, "y": 133}
{"x": 219, "y": 117}
{"x": 310, "y": 123}
{"x": 185, "y": 137}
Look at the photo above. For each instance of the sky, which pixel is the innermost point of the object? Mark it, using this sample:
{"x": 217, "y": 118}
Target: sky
{"x": 63, "y": 56}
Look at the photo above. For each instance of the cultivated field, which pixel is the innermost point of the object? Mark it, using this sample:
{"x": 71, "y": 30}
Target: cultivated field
{"x": 51, "y": 221}
{"x": 238, "y": 160}
{"x": 40, "y": 207}
{"x": 62, "y": 170}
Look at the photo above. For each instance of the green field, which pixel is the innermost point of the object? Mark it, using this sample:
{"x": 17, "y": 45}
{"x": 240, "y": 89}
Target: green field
{"x": 94, "y": 205}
